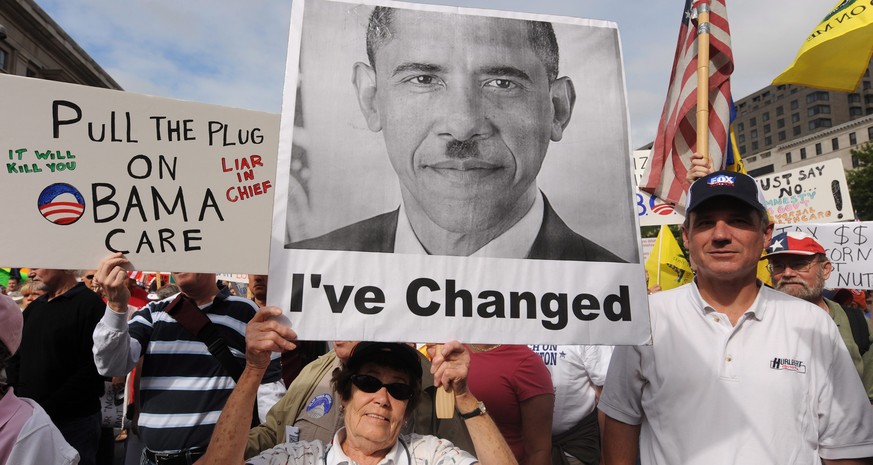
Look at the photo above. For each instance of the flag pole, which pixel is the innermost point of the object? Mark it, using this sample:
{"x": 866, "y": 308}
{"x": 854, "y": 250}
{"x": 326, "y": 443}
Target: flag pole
{"x": 660, "y": 248}
{"x": 702, "y": 80}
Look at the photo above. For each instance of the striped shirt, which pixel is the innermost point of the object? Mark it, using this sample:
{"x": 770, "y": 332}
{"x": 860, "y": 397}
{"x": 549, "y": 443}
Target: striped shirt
{"x": 182, "y": 387}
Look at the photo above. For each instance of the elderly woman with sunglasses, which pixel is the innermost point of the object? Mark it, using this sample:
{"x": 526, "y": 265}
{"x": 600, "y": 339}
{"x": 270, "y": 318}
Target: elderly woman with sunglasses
{"x": 379, "y": 387}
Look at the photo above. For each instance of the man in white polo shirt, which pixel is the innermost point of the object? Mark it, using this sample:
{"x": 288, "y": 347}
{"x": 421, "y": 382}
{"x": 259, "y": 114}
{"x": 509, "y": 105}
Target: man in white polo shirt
{"x": 737, "y": 372}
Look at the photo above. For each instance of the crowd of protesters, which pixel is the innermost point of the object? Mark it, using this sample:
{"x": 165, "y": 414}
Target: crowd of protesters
{"x": 192, "y": 357}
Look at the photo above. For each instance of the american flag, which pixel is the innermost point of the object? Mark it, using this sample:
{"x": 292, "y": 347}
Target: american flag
{"x": 676, "y": 139}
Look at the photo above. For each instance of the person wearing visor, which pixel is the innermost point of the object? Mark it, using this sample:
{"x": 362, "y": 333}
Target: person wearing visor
{"x": 378, "y": 387}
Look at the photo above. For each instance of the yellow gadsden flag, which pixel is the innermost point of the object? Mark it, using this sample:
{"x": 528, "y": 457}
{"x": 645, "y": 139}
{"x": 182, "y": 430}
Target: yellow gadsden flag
{"x": 837, "y": 53}
{"x": 666, "y": 265}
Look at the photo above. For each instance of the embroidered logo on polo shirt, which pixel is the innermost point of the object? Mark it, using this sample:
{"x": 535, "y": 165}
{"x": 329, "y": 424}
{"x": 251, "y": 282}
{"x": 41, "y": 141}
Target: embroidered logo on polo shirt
{"x": 788, "y": 364}
{"x": 319, "y": 406}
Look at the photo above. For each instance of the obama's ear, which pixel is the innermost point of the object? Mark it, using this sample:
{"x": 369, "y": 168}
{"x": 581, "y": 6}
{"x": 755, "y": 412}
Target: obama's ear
{"x": 364, "y": 79}
{"x": 563, "y": 96}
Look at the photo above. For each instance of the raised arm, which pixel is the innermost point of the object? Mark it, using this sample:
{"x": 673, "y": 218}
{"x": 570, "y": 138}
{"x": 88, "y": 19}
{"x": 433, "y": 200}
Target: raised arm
{"x": 115, "y": 353}
{"x": 263, "y": 335}
{"x": 450, "y": 367}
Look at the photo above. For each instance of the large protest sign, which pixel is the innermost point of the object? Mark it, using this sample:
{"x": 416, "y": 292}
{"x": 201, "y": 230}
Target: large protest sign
{"x": 815, "y": 193}
{"x": 460, "y": 200}
{"x": 174, "y": 185}
{"x": 849, "y": 247}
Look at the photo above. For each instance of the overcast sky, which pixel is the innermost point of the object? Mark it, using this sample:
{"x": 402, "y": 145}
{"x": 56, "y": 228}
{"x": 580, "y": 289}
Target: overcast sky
{"x": 233, "y": 52}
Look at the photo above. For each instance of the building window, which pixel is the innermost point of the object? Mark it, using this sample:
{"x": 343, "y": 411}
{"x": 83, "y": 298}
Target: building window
{"x": 870, "y": 133}
{"x": 742, "y": 150}
{"x": 742, "y": 138}
{"x": 854, "y": 98}
{"x": 795, "y": 117}
{"x": 766, "y": 128}
{"x": 818, "y": 110}
{"x": 818, "y": 148}
{"x": 781, "y": 136}
{"x": 835, "y": 144}
{"x": 768, "y": 140}
{"x": 740, "y": 126}
{"x": 853, "y": 139}
{"x": 868, "y": 100}
{"x": 820, "y": 123}
{"x": 796, "y": 130}
{"x": 820, "y": 96}
{"x": 765, "y": 155}
{"x": 754, "y": 134}
{"x": 803, "y": 153}
{"x": 753, "y": 122}
{"x": 788, "y": 158}
{"x": 4, "y": 61}
{"x": 780, "y": 123}
{"x": 866, "y": 85}
{"x": 754, "y": 145}
{"x": 752, "y": 159}
{"x": 765, "y": 116}
{"x": 779, "y": 111}
{"x": 856, "y": 111}
{"x": 856, "y": 162}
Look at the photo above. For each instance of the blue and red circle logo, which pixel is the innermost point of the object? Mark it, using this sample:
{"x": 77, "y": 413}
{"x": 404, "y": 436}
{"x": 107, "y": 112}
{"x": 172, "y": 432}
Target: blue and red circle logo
{"x": 61, "y": 204}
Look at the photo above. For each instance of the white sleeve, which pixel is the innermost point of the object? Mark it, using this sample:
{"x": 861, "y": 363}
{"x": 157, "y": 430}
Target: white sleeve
{"x": 622, "y": 393}
{"x": 39, "y": 441}
{"x": 268, "y": 395}
{"x": 115, "y": 352}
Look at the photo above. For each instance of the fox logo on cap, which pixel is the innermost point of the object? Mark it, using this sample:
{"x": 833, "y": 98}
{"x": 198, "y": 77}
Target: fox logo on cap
{"x": 721, "y": 180}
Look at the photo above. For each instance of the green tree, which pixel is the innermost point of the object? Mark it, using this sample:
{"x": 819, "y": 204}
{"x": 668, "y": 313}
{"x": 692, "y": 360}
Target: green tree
{"x": 860, "y": 182}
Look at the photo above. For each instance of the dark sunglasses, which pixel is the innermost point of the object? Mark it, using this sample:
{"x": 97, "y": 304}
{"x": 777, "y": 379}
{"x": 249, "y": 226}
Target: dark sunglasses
{"x": 90, "y": 276}
{"x": 367, "y": 383}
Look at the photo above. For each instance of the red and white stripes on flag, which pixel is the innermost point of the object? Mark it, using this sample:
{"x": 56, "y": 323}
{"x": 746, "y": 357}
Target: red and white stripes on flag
{"x": 676, "y": 139}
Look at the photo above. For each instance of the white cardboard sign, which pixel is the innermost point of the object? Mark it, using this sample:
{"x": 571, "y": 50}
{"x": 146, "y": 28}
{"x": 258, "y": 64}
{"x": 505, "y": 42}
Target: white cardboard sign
{"x": 175, "y": 185}
{"x": 375, "y": 176}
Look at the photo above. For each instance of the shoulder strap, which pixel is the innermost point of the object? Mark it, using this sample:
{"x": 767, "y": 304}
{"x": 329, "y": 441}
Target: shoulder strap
{"x": 189, "y": 316}
{"x": 860, "y": 330}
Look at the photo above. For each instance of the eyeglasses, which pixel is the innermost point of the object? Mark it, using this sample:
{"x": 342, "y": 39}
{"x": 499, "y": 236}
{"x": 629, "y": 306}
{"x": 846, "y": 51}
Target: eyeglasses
{"x": 369, "y": 384}
{"x": 90, "y": 276}
{"x": 801, "y": 266}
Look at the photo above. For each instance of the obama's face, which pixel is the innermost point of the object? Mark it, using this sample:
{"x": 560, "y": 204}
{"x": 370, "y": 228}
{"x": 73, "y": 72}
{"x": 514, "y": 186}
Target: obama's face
{"x": 467, "y": 111}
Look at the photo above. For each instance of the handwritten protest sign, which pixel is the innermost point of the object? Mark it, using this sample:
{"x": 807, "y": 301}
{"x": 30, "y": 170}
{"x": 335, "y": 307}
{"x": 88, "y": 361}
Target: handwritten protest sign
{"x": 849, "y": 247}
{"x": 174, "y": 185}
{"x": 436, "y": 208}
{"x": 815, "y": 193}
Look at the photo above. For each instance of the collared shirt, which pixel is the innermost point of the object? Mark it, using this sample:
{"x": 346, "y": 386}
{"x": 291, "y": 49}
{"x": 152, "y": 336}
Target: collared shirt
{"x": 54, "y": 365}
{"x": 777, "y": 387}
{"x": 515, "y": 242}
{"x": 408, "y": 450}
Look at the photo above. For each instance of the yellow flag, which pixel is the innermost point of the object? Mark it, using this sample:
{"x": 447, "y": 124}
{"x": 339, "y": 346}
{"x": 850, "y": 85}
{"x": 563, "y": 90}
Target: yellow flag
{"x": 735, "y": 161}
{"x": 836, "y": 54}
{"x": 666, "y": 264}
{"x": 764, "y": 273}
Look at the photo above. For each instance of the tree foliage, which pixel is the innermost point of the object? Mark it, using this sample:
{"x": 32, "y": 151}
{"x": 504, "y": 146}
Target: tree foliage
{"x": 860, "y": 182}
